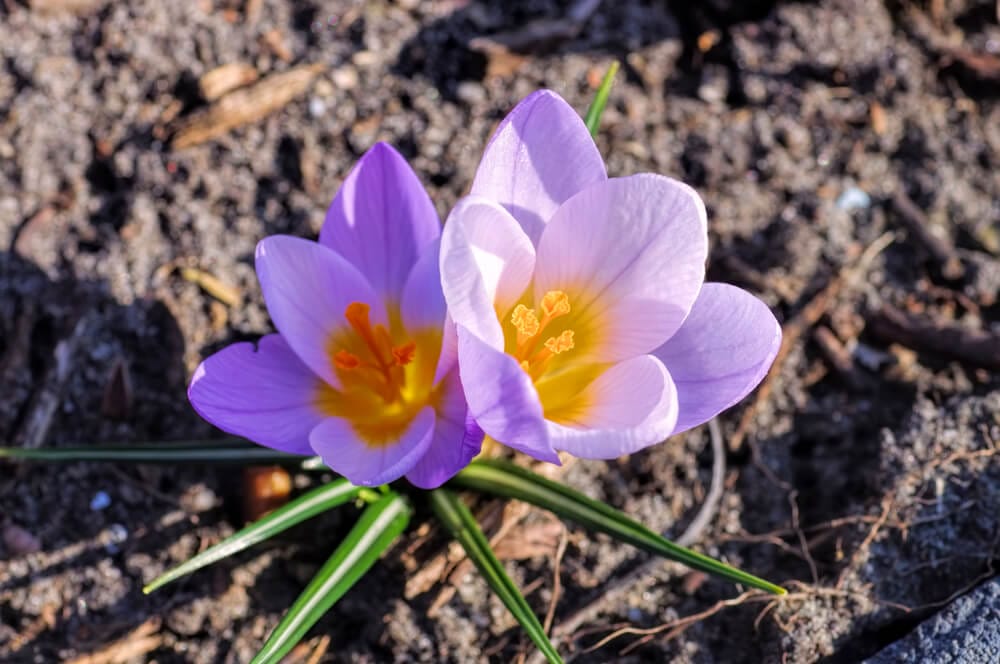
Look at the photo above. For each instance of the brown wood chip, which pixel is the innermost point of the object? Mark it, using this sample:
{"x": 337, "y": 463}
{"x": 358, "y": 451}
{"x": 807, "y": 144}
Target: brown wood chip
{"x": 226, "y": 78}
{"x": 245, "y": 105}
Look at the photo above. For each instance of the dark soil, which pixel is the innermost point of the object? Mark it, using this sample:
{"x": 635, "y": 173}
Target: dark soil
{"x": 870, "y": 489}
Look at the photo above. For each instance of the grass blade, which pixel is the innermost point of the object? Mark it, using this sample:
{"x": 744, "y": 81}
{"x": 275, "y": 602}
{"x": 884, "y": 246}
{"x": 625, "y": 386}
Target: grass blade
{"x": 593, "y": 117}
{"x": 304, "y": 507}
{"x": 380, "y": 524}
{"x": 235, "y": 451}
{"x": 503, "y": 478}
{"x": 459, "y": 521}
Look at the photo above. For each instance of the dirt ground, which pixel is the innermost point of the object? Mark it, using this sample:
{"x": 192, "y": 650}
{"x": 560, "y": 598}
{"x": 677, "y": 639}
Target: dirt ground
{"x": 848, "y": 153}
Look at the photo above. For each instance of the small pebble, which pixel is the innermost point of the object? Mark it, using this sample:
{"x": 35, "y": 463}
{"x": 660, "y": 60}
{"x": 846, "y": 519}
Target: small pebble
{"x": 116, "y": 535}
{"x": 100, "y": 501}
{"x": 317, "y": 108}
{"x": 854, "y": 199}
{"x": 19, "y": 541}
{"x": 345, "y": 78}
{"x": 470, "y": 92}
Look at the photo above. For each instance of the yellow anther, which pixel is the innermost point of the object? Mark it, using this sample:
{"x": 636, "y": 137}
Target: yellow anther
{"x": 525, "y": 366}
{"x": 525, "y": 321}
{"x": 555, "y": 303}
{"x": 560, "y": 344}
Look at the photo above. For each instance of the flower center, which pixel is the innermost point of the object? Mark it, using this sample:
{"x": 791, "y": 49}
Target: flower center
{"x": 369, "y": 360}
{"x": 530, "y": 328}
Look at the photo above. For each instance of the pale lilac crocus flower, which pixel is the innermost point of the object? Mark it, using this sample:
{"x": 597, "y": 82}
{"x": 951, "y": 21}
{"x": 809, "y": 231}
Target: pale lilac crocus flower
{"x": 363, "y": 368}
{"x": 584, "y": 323}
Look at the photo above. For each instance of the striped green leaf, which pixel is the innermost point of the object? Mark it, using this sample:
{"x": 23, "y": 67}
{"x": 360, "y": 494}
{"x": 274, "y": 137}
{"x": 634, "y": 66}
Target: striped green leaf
{"x": 593, "y": 117}
{"x": 304, "y": 507}
{"x": 234, "y": 451}
{"x": 459, "y": 521}
{"x": 379, "y": 526}
{"x": 503, "y": 478}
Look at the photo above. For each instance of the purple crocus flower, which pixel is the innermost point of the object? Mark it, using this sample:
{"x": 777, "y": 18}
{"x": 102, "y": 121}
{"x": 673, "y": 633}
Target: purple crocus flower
{"x": 363, "y": 368}
{"x": 584, "y": 323}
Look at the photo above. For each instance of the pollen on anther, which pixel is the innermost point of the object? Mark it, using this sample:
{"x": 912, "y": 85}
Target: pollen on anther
{"x": 555, "y": 303}
{"x": 560, "y": 344}
{"x": 346, "y": 360}
{"x": 525, "y": 321}
{"x": 404, "y": 354}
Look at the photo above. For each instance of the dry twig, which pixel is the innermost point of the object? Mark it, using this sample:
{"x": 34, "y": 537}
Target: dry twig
{"x": 140, "y": 641}
{"x": 979, "y": 348}
{"x": 938, "y": 246}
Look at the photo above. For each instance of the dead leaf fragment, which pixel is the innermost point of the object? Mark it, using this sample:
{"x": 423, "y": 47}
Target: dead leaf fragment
{"x": 68, "y": 6}
{"x": 878, "y": 118}
{"x": 245, "y": 105}
{"x": 134, "y": 645}
{"x": 226, "y": 78}
{"x": 537, "y": 540}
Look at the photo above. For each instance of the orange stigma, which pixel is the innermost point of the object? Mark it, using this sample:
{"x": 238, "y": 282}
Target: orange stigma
{"x": 375, "y": 364}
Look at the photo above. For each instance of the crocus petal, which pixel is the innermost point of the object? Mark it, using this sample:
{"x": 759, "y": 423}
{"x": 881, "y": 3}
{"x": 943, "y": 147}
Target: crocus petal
{"x": 381, "y": 220}
{"x": 366, "y": 465}
{"x": 630, "y": 406}
{"x": 265, "y": 394}
{"x": 630, "y": 252}
{"x": 307, "y": 288}
{"x": 720, "y": 353}
{"x": 423, "y": 304}
{"x": 501, "y": 397}
{"x": 457, "y": 438}
{"x": 486, "y": 265}
{"x": 540, "y": 155}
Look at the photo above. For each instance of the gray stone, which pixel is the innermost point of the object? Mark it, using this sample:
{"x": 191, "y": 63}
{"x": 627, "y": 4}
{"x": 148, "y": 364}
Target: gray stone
{"x": 966, "y": 632}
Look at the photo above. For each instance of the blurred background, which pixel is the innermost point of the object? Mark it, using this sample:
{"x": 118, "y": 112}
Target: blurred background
{"x": 848, "y": 154}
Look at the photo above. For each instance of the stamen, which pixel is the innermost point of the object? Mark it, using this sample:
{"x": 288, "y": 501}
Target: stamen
{"x": 525, "y": 321}
{"x": 345, "y": 360}
{"x": 404, "y": 354}
{"x": 383, "y": 362}
{"x": 560, "y": 344}
{"x": 555, "y": 303}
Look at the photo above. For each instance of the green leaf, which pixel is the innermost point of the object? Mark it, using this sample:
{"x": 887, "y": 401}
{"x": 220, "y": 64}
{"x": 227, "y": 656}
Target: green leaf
{"x": 235, "y": 450}
{"x": 380, "y": 524}
{"x": 459, "y": 521}
{"x": 503, "y": 478}
{"x": 593, "y": 117}
{"x": 304, "y": 507}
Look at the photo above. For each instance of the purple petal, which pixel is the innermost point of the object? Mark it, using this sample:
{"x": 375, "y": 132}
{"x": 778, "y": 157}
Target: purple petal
{"x": 501, "y": 397}
{"x": 456, "y": 439}
{"x": 720, "y": 353}
{"x": 630, "y": 252}
{"x": 540, "y": 155}
{"x": 486, "y": 265}
{"x": 630, "y": 406}
{"x": 422, "y": 305}
{"x": 265, "y": 394}
{"x": 370, "y": 465}
{"x": 424, "y": 309}
{"x": 381, "y": 220}
{"x": 307, "y": 288}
